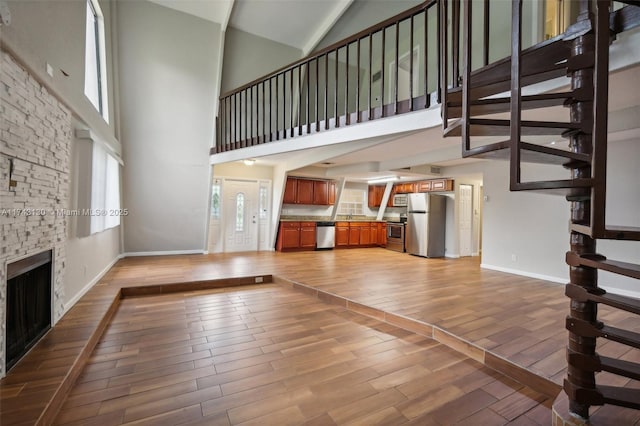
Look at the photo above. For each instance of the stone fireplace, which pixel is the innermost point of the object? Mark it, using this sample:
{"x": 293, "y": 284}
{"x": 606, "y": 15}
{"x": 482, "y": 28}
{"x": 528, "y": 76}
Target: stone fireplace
{"x": 35, "y": 147}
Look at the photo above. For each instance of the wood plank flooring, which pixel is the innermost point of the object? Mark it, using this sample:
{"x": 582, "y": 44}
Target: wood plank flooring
{"x": 267, "y": 355}
{"x": 516, "y": 320}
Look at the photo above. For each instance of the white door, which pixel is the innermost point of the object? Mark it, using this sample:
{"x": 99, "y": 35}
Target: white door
{"x": 466, "y": 219}
{"x": 240, "y": 215}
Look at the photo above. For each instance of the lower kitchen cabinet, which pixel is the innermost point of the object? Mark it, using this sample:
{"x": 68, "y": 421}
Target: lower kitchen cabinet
{"x": 359, "y": 234}
{"x": 294, "y": 236}
{"x": 342, "y": 234}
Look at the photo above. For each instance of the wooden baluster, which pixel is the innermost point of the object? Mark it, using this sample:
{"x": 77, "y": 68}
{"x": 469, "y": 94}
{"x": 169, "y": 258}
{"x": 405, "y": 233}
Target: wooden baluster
{"x": 270, "y": 110}
{"x": 291, "y": 103}
{"x": 277, "y": 109}
{"x": 486, "y": 32}
{"x": 223, "y": 129}
{"x": 384, "y": 45}
{"x": 466, "y": 82}
{"x": 358, "y": 82}
{"x": 250, "y": 117}
{"x": 455, "y": 43}
{"x": 264, "y": 113}
{"x": 370, "y": 115}
{"x": 443, "y": 58}
{"x": 411, "y": 64}
{"x": 300, "y": 100}
{"x": 317, "y": 95}
{"x": 427, "y": 97}
{"x": 308, "y": 100}
{"x": 235, "y": 120}
{"x": 244, "y": 119}
{"x": 346, "y": 90}
{"x": 395, "y": 89}
{"x": 335, "y": 112}
{"x": 326, "y": 91}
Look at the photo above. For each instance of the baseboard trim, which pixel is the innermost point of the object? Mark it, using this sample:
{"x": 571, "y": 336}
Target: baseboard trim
{"x": 163, "y": 253}
{"x": 90, "y": 284}
{"x": 452, "y": 256}
{"x": 621, "y": 292}
{"x": 553, "y": 279}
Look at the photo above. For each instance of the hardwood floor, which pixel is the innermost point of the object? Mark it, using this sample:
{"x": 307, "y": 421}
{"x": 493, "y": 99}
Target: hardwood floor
{"x": 268, "y": 355}
{"x": 512, "y": 324}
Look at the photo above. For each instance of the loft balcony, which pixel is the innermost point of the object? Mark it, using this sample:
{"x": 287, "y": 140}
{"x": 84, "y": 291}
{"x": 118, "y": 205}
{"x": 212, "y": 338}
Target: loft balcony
{"x": 368, "y": 77}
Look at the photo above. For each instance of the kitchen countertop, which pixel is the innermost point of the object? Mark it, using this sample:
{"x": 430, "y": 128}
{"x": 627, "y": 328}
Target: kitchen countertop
{"x": 326, "y": 219}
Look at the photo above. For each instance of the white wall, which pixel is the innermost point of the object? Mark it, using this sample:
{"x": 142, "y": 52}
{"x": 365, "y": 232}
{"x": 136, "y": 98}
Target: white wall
{"x": 168, "y": 67}
{"x": 248, "y": 57}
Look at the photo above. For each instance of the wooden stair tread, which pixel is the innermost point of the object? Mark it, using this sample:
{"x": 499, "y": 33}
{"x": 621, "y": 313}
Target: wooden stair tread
{"x": 503, "y": 104}
{"x": 621, "y": 367}
{"x": 531, "y": 153}
{"x": 600, "y": 262}
{"x": 542, "y": 62}
{"x": 491, "y": 127}
{"x": 598, "y": 295}
{"x": 587, "y": 329}
{"x": 629, "y": 233}
{"x": 624, "y": 397}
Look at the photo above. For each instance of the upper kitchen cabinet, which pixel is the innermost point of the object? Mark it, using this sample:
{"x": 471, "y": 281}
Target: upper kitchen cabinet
{"x": 290, "y": 191}
{"x": 376, "y": 192}
{"x": 309, "y": 191}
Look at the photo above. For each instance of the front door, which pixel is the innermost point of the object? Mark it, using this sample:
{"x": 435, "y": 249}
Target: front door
{"x": 241, "y": 215}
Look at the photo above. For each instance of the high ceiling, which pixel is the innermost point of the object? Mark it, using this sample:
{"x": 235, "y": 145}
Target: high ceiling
{"x": 297, "y": 23}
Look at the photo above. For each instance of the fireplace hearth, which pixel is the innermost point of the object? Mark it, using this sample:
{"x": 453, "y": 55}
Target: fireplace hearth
{"x": 28, "y": 304}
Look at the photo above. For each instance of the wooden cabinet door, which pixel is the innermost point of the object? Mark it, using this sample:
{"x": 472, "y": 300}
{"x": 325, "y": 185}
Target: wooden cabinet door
{"x": 374, "y": 233}
{"x": 354, "y": 235}
{"x": 321, "y": 192}
{"x": 308, "y": 235}
{"x": 382, "y": 234}
{"x": 365, "y": 235}
{"x": 342, "y": 234}
{"x": 332, "y": 192}
{"x": 290, "y": 232}
{"x": 423, "y": 186}
{"x": 304, "y": 191}
{"x": 290, "y": 191}
{"x": 372, "y": 199}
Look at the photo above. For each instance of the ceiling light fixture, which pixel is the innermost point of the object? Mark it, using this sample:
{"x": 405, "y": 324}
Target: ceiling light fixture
{"x": 249, "y": 161}
{"x": 383, "y": 179}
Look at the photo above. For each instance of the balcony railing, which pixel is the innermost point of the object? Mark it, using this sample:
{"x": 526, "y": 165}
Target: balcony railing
{"x": 367, "y": 76}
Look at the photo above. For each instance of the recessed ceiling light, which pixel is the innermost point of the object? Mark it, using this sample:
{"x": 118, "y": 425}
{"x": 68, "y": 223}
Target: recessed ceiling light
{"x": 249, "y": 161}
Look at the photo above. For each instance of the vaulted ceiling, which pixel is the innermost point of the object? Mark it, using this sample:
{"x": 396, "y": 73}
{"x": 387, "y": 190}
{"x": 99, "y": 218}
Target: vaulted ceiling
{"x": 297, "y": 23}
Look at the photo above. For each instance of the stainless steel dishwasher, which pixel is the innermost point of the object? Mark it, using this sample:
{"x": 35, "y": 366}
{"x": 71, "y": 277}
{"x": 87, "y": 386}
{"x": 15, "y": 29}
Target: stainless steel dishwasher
{"x": 325, "y": 235}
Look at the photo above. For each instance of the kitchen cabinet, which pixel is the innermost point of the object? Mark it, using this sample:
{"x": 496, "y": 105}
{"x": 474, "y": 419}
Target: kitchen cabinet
{"x": 342, "y": 234}
{"x": 309, "y": 191}
{"x": 308, "y": 235}
{"x": 442, "y": 185}
{"x": 359, "y": 234}
{"x": 332, "y": 192}
{"x": 376, "y": 192}
{"x": 296, "y": 236}
{"x": 393, "y": 192}
{"x": 304, "y": 192}
{"x": 423, "y": 186}
{"x": 405, "y": 188}
{"x": 321, "y": 192}
{"x": 290, "y": 191}
{"x": 382, "y": 234}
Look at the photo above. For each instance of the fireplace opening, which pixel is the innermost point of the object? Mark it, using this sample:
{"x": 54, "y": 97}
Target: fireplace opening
{"x": 28, "y": 304}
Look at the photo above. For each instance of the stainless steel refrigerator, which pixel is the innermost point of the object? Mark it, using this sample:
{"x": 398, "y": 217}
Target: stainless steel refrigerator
{"x": 426, "y": 219}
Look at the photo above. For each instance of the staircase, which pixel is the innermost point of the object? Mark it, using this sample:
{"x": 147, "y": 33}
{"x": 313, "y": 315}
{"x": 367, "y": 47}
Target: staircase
{"x": 485, "y": 107}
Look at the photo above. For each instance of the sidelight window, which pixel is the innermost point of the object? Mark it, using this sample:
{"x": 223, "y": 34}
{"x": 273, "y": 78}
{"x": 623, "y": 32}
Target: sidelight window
{"x": 240, "y": 212}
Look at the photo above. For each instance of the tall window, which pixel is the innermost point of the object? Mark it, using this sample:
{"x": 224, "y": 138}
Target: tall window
{"x": 105, "y": 191}
{"x": 95, "y": 76}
